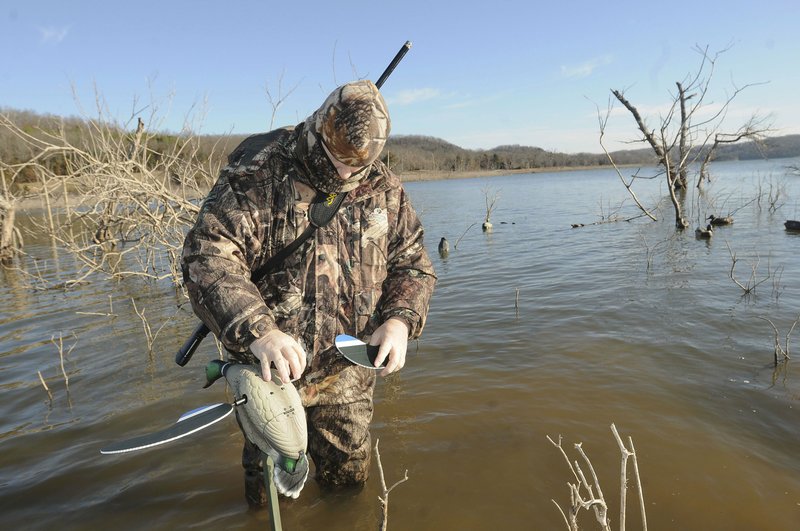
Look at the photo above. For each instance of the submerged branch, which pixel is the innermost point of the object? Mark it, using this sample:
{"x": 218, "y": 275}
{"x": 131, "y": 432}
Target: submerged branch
{"x": 384, "y": 498}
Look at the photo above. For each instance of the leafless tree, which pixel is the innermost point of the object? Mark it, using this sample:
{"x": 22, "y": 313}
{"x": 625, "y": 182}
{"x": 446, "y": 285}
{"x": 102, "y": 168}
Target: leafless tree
{"x": 119, "y": 201}
{"x": 491, "y": 197}
{"x": 10, "y": 236}
{"x": 690, "y": 132}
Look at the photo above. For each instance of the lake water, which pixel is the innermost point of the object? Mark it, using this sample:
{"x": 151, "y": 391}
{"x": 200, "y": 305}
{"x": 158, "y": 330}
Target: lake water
{"x": 535, "y": 329}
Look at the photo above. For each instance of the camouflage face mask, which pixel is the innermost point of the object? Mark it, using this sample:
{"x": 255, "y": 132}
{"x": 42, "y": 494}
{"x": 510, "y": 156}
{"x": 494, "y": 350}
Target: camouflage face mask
{"x": 322, "y": 174}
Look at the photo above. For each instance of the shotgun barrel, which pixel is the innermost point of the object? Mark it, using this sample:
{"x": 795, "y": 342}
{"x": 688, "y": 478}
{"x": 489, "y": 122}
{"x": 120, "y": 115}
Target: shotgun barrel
{"x": 389, "y": 69}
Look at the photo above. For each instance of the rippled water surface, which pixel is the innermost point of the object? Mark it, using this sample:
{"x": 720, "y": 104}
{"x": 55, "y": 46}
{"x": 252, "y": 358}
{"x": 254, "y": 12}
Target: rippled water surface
{"x": 535, "y": 329}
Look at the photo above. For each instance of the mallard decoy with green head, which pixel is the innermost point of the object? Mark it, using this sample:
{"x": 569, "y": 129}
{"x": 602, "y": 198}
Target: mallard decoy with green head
{"x": 272, "y": 418}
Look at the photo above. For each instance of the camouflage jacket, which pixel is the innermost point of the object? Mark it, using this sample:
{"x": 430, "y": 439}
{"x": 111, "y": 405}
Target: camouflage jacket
{"x": 367, "y": 265}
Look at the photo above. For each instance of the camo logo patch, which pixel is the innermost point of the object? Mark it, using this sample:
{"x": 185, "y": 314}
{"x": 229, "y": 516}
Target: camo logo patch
{"x": 377, "y": 225}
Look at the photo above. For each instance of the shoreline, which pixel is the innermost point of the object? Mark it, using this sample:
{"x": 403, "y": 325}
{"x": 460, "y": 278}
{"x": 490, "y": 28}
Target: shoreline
{"x": 442, "y": 175}
{"x": 33, "y": 201}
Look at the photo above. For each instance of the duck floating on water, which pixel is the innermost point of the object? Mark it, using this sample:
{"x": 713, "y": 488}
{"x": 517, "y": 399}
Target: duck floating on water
{"x": 444, "y": 247}
{"x": 714, "y": 220}
{"x": 706, "y": 233}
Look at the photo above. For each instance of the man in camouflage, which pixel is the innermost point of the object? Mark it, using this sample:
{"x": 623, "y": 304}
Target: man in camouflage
{"x": 365, "y": 274}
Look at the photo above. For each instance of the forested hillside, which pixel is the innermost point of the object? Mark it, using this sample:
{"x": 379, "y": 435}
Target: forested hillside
{"x": 402, "y": 153}
{"x": 409, "y": 153}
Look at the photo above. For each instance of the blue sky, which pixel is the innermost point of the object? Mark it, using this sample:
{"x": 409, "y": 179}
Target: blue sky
{"x": 479, "y": 74}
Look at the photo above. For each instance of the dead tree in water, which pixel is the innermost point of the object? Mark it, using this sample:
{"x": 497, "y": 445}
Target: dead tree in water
{"x": 686, "y": 134}
{"x": 10, "y": 237}
{"x": 491, "y": 203}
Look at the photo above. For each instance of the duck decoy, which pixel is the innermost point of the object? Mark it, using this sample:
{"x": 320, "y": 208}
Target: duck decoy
{"x": 792, "y": 225}
{"x": 272, "y": 417}
{"x": 706, "y": 233}
{"x": 714, "y": 220}
{"x": 444, "y": 247}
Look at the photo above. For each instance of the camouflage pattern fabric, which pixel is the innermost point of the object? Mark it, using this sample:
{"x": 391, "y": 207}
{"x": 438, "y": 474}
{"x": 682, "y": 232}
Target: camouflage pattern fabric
{"x": 367, "y": 265}
{"x": 255, "y": 488}
{"x": 354, "y": 124}
{"x": 340, "y": 442}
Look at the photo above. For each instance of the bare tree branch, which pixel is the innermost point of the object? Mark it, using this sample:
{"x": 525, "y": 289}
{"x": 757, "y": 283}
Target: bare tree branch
{"x": 628, "y": 185}
{"x": 278, "y": 99}
{"x": 384, "y": 498}
{"x": 128, "y": 197}
{"x": 684, "y": 137}
{"x": 582, "y": 496}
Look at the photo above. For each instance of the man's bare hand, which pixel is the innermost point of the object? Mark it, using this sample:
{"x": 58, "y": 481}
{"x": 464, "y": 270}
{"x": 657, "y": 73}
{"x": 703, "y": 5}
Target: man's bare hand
{"x": 281, "y": 350}
{"x": 392, "y": 336}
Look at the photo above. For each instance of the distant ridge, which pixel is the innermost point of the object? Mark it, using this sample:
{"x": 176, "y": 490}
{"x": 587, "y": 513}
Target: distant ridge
{"x": 416, "y": 152}
{"x": 403, "y": 153}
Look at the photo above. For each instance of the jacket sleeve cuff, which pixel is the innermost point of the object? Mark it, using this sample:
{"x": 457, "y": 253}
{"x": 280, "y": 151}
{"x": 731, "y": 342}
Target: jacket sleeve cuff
{"x": 239, "y": 336}
{"x": 410, "y": 317}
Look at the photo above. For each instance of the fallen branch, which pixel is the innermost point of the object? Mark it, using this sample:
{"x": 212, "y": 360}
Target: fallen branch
{"x": 578, "y": 500}
{"x": 624, "y": 480}
{"x": 628, "y": 185}
{"x": 148, "y": 332}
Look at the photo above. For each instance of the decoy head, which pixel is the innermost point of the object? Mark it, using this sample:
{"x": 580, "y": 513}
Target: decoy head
{"x": 215, "y": 369}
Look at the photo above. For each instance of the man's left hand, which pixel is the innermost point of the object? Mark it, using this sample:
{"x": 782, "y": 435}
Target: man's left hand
{"x": 392, "y": 336}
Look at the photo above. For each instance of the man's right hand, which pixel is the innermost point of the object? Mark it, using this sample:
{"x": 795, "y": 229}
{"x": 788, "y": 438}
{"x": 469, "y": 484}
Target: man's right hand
{"x": 281, "y": 350}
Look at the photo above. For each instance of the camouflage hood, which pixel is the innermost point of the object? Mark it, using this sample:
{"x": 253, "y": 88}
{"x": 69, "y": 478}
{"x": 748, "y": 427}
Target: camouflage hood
{"x": 353, "y": 123}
